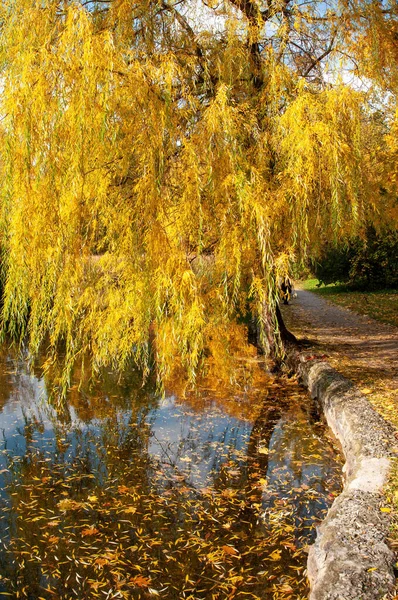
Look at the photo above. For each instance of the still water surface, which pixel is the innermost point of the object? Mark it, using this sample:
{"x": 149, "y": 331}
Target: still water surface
{"x": 125, "y": 494}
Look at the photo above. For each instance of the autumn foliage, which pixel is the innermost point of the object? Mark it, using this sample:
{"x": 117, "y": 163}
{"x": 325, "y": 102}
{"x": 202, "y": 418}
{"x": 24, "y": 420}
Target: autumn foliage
{"x": 164, "y": 163}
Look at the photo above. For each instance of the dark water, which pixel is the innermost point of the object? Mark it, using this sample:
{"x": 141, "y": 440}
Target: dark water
{"x": 124, "y": 494}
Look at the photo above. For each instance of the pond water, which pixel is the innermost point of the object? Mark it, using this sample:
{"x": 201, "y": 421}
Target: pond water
{"x": 125, "y": 494}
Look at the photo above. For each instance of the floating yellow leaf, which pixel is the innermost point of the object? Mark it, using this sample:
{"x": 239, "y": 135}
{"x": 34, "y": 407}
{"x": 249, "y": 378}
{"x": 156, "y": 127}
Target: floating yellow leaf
{"x": 140, "y": 581}
{"x": 90, "y": 531}
{"x": 130, "y": 510}
{"x": 230, "y": 550}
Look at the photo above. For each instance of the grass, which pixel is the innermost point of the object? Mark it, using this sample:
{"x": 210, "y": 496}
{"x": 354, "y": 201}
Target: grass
{"x": 381, "y": 305}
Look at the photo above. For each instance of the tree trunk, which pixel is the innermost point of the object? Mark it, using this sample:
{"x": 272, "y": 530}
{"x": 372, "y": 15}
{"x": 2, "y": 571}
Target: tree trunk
{"x": 287, "y": 336}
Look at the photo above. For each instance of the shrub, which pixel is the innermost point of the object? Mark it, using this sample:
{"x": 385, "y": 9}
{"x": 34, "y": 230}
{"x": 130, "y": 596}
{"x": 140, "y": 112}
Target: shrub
{"x": 369, "y": 263}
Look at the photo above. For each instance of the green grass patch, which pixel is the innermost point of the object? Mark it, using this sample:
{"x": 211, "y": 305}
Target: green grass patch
{"x": 381, "y": 305}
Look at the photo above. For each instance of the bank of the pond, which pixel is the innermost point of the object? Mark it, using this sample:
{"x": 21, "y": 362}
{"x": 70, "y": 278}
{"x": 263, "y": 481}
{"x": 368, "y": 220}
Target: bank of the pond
{"x": 351, "y": 559}
{"x": 365, "y": 351}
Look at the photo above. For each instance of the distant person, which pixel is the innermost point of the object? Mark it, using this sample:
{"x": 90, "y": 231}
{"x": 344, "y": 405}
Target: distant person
{"x": 287, "y": 290}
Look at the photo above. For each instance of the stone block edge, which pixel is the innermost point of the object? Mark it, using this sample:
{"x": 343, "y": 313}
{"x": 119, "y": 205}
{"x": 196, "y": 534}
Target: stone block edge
{"x": 350, "y": 559}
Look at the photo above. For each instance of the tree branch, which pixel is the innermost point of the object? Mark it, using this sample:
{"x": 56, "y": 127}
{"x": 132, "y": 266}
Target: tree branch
{"x": 318, "y": 59}
{"x": 185, "y": 25}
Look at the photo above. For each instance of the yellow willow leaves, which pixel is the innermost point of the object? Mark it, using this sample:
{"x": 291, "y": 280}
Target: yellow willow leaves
{"x": 370, "y": 34}
{"x": 392, "y": 173}
{"x": 323, "y": 138}
{"x": 158, "y": 181}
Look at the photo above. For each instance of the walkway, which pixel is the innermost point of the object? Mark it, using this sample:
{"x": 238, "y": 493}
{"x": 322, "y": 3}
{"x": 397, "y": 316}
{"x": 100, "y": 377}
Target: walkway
{"x": 362, "y": 349}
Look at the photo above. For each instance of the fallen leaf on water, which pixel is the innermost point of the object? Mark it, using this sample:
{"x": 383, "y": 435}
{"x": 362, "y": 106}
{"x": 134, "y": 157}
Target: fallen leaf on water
{"x": 101, "y": 561}
{"x": 53, "y": 539}
{"x": 90, "y": 531}
{"x": 68, "y": 504}
{"x": 130, "y": 510}
{"x": 230, "y": 550}
{"x": 53, "y": 524}
{"x": 95, "y": 584}
{"x": 286, "y": 588}
{"x": 290, "y": 545}
{"x": 140, "y": 581}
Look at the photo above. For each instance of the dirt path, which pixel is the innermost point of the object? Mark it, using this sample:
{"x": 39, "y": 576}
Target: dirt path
{"x": 362, "y": 349}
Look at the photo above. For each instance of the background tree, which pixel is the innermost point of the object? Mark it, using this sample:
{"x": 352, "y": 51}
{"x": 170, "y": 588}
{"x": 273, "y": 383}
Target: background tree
{"x": 164, "y": 162}
{"x": 368, "y": 263}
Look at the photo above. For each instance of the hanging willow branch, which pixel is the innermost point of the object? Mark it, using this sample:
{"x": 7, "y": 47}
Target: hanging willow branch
{"x": 145, "y": 217}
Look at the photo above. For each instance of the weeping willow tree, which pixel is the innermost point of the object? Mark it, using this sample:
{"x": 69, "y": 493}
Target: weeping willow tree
{"x": 163, "y": 162}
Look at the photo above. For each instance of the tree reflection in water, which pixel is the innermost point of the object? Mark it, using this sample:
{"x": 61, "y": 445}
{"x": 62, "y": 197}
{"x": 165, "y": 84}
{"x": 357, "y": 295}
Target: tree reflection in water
{"x": 128, "y": 495}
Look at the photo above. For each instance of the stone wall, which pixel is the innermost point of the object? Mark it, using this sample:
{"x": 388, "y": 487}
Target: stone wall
{"x": 350, "y": 559}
